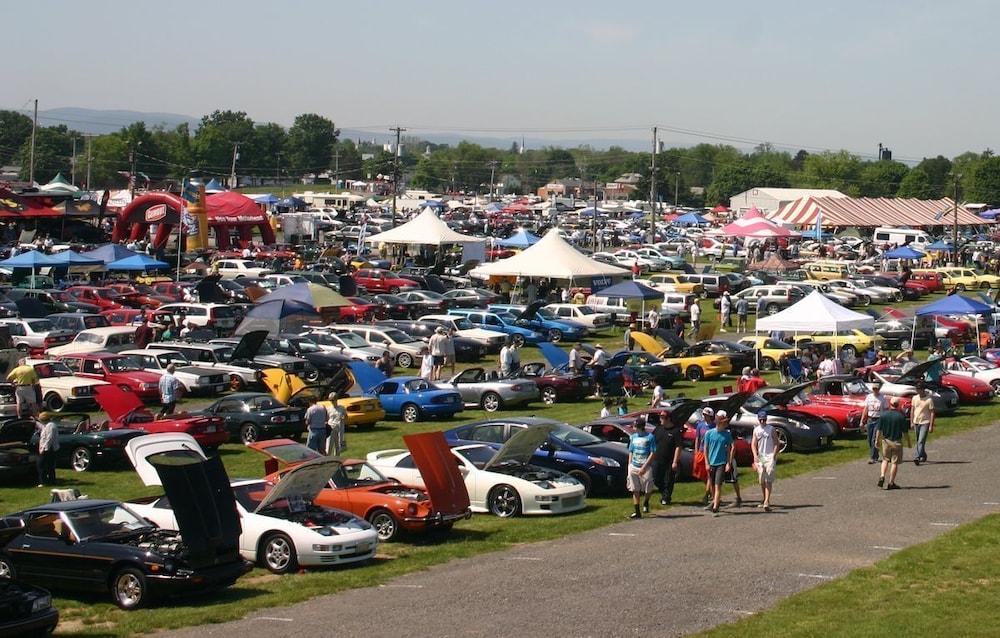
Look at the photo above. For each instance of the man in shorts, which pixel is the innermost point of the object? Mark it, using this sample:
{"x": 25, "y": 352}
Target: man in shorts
{"x": 706, "y": 423}
{"x": 26, "y": 388}
{"x": 438, "y": 348}
{"x": 719, "y": 450}
{"x": 764, "y": 445}
{"x": 641, "y": 446}
{"x": 893, "y": 427}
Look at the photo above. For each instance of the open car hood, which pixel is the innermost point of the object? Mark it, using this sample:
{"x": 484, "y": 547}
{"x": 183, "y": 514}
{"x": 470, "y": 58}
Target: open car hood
{"x": 520, "y": 447}
{"x": 197, "y": 488}
{"x": 304, "y": 481}
{"x": 914, "y": 374}
{"x": 294, "y": 454}
{"x": 249, "y": 345}
{"x": 732, "y": 403}
{"x": 436, "y": 463}
{"x": 366, "y": 375}
{"x": 647, "y": 343}
{"x": 531, "y": 311}
{"x": 554, "y": 355}
{"x": 683, "y": 411}
{"x": 785, "y": 397}
{"x": 17, "y": 431}
{"x": 118, "y": 403}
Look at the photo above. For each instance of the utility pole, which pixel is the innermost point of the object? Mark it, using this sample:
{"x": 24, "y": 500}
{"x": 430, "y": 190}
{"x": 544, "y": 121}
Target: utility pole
{"x": 90, "y": 158}
{"x": 277, "y": 170}
{"x": 336, "y": 166}
{"x": 72, "y": 164}
{"x": 954, "y": 229}
{"x": 677, "y": 184}
{"x": 652, "y": 192}
{"x": 395, "y": 173}
{"x": 493, "y": 169}
{"x": 132, "y": 177}
{"x": 232, "y": 172}
{"x": 593, "y": 220}
{"x": 31, "y": 154}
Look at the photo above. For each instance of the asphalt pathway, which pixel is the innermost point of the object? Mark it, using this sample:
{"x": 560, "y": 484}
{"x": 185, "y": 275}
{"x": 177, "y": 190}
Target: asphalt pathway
{"x": 671, "y": 574}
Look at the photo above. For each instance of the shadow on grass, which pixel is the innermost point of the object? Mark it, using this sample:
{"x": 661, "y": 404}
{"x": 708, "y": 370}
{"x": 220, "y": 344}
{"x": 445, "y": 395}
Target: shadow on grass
{"x": 439, "y": 537}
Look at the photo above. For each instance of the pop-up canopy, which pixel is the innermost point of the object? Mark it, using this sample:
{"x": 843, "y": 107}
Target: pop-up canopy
{"x": 552, "y": 257}
{"x": 816, "y": 313}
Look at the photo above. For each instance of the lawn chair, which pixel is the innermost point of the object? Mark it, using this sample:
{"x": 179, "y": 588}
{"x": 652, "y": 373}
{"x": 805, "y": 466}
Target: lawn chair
{"x": 796, "y": 372}
{"x": 630, "y": 386}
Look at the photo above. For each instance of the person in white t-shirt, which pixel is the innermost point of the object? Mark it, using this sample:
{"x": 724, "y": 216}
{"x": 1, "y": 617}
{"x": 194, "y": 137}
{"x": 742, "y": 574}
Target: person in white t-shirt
{"x": 657, "y": 396}
{"x": 765, "y": 448}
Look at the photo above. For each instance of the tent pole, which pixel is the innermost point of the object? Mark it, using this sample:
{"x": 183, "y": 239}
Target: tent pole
{"x": 913, "y": 333}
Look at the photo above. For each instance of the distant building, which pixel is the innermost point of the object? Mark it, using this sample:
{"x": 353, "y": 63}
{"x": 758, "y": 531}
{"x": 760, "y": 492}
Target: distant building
{"x": 769, "y": 200}
{"x": 566, "y": 187}
{"x": 622, "y": 188}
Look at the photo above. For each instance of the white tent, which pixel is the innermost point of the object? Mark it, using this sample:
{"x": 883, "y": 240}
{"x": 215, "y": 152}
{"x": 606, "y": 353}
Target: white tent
{"x": 816, "y": 313}
{"x": 552, "y": 257}
{"x": 424, "y": 229}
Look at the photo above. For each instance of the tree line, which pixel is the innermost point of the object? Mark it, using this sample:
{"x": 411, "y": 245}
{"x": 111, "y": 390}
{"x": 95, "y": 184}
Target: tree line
{"x": 700, "y": 175}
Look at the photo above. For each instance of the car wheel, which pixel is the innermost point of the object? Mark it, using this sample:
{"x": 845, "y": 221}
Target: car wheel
{"x": 404, "y": 360}
{"x": 128, "y": 588}
{"x": 995, "y": 384}
{"x": 80, "y": 459}
{"x": 385, "y": 525}
{"x": 517, "y": 340}
{"x": 583, "y": 478}
{"x": 695, "y": 373}
{"x": 772, "y": 308}
{"x": 311, "y": 376}
{"x": 278, "y": 554}
{"x": 849, "y": 350}
{"x": 549, "y": 395}
{"x": 504, "y": 501}
{"x": 897, "y": 296}
{"x": 53, "y": 402}
{"x": 236, "y": 383}
{"x": 491, "y": 401}
{"x": 410, "y": 413}
{"x": 6, "y": 568}
{"x": 22, "y": 347}
{"x": 767, "y": 363}
{"x": 644, "y": 380}
{"x": 960, "y": 287}
{"x": 555, "y": 336}
{"x": 249, "y": 433}
{"x": 784, "y": 442}
{"x": 394, "y": 290}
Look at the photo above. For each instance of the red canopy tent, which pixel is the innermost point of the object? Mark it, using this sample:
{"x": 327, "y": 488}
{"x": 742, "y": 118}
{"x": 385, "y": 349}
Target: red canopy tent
{"x": 225, "y": 211}
{"x": 16, "y": 207}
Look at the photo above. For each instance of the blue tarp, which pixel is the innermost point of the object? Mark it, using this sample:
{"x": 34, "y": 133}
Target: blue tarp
{"x": 940, "y": 245}
{"x": 520, "y": 239}
{"x": 690, "y": 219}
{"x": 137, "y": 262}
{"x": 954, "y": 305}
{"x": 109, "y": 253}
{"x": 293, "y": 202}
{"x": 904, "y": 252}
{"x": 30, "y": 259}
{"x": 214, "y": 186}
{"x": 631, "y": 290}
{"x": 72, "y": 258}
{"x": 264, "y": 198}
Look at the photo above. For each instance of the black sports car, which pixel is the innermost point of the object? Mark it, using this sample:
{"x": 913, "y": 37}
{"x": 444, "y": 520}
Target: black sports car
{"x": 740, "y": 356}
{"x": 17, "y": 458}
{"x": 327, "y": 364}
{"x": 257, "y": 415}
{"x": 24, "y": 610}
{"x": 83, "y": 444}
{"x": 97, "y": 545}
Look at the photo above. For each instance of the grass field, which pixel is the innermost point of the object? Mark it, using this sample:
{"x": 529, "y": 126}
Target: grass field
{"x": 945, "y": 587}
{"x": 94, "y": 616}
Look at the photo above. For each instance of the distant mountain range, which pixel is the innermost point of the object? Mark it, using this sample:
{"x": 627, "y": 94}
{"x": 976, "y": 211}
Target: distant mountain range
{"x": 100, "y": 122}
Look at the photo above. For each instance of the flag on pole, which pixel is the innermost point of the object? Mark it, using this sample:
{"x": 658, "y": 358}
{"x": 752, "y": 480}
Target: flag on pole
{"x": 819, "y": 225}
{"x": 189, "y": 193}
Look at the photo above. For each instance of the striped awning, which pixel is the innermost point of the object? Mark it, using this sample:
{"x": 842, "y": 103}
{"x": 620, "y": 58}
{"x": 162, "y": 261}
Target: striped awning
{"x": 873, "y": 211}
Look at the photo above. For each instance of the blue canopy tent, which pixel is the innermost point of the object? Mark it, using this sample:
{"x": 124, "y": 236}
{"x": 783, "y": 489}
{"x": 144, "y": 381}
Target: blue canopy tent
{"x": 940, "y": 245}
{"x": 214, "y": 187}
{"x": 109, "y": 253}
{"x": 520, "y": 239}
{"x": 811, "y": 234}
{"x": 32, "y": 260}
{"x": 68, "y": 258}
{"x": 277, "y": 316}
{"x": 138, "y": 262}
{"x": 265, "y": 198}
{"x": 589, "y": 211}
{"x": 690, "y": 219}
{"x": 954, "y": 305}
{"x": 904, "y": 252}
{"x": 293, "y": 203}
{"x": 633, "y": 290}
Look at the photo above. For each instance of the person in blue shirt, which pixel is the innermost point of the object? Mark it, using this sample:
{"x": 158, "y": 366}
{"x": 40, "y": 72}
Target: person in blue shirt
{"x": 641, "y": 447}
{"x": 706, "y": 423}
{"x": 719, "y": 450}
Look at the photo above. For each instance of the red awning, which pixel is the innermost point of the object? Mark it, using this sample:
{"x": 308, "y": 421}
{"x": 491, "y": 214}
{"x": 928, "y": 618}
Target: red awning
{"x": 16, "y": 207}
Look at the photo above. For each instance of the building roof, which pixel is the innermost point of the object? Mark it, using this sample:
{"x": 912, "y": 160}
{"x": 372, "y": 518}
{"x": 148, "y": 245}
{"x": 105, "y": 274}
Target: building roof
{"x": 872, "y": 212}
{"x": 788, "y": 194}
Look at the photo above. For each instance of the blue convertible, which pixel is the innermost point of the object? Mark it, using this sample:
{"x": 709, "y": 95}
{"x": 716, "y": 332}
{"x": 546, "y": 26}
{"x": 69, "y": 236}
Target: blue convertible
{"x": 541, "y": 320}
{"x": 500, "y": 323}
{"x": 410, "y": 398}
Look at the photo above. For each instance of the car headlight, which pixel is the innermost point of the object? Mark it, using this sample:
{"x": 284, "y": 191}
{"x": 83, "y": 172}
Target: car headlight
{"x": 325, "y": 531}
{"x": 81, "y": 391}
{"x": 605, "y": 461}
{"x": 278, "y": 419}
{"x": 41, "y": 603}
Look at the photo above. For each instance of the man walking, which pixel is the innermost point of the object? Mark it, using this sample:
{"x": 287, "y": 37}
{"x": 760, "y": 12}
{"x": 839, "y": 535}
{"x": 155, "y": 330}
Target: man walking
{"x": 26, "y": 387}
{"x": 725, "y": 308}
{"x": 922, "y": 421}
{"x": 695, "y": 319}
{"x": 170, "y": 388}
{"x": 666, "y": 457}
{"x": 48, "y": 445}
{"x": 438, "y": 351}
{"x": 641, "y": 446}
{"x": 718, "y": 457}
{"x": 893, "y": 426}
{"x": 506, "y": 359}
{"x": 599, "y": 362}
{"x": 764, "y": 445}
{"x": 742, "y": 308}
{"x": 874, "y": 405}
{"x": 337, "y": 424}
{"x": 698, "y": 471}
{"x": 317, "y": 427}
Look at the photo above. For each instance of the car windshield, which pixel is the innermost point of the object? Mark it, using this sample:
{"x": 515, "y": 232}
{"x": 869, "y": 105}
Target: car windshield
{"x": 127, "y": 363}
{"x": 398, "y": 336}
{"x": 585, "y": 310}
{"x": 224, "y": 354}
{"x": 574, "y": 436}
{"x": 52, "y": 369}
{"x": 167, "y": 358}
{"x": 95, "y": 321}
{"x": 463, "y": 324}
{"x": 87, "y": 337}
{"x": 980, "y": 363}
{"x": 478, "y": 455}
{"x": 547, "y": 314}
{"x": 856, "y": 386}
{"x": 104, "y": 293}
{"x": 350, "y": 340}
{"x": 99, "y": 522}
{"x": 40, "y": 325}
{"x": 417, "y": 385}
{"x": 357, "y": 474}
{"x": 305, "y": 345}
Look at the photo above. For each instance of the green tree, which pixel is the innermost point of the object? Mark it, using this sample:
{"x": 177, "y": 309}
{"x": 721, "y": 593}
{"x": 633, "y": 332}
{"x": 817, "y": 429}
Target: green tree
{"x": 882, "y": 178}
{"x": 838, "y": 170}
{"x": 917, "y": 183}
{"x": 15, "y": 130}
{"x": 310, "y": 143}
{"x": 937, "y": 170}
{"x": 53, "y": 149}
{"x": 109, "y": 155}
{"x": 985, "y": 186}
{"x": 560, "y": 163}
{"x": 261, "y": 157}
{"x": 347, "y": 160}
{"x": 213, "y": 143}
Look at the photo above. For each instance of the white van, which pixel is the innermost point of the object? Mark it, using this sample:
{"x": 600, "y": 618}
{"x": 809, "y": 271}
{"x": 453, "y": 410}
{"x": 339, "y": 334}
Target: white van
{"x": 917, "y": 239}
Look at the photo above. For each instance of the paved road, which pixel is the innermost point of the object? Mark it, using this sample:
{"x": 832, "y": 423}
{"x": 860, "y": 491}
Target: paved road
{"x": 666, "y": 575}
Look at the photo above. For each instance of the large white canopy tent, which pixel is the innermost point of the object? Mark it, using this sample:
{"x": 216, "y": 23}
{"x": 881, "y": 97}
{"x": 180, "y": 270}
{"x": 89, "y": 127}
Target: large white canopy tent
{"x": 551, "y": 257}
{"x": 427, "y": 229}
{"x": 816, "y": 313}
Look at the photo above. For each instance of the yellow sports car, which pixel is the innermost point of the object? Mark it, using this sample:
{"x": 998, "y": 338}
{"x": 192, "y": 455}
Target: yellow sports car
{"x": 768, "y": 350}
{"x": 850, "y": 342}
{"x": 362, "y": 411}
{"x": 967, "y": 278}
{"x": 693, "y": 367}
{"x": 671, "y": 282}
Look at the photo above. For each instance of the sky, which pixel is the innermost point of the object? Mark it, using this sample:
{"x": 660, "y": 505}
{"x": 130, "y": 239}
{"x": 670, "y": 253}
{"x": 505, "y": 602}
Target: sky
{"x": 919, "y": 76}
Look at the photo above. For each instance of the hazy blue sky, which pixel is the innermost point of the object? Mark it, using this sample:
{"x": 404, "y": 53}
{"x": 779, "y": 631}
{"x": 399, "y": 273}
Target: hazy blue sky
{"x": 920, "y": 76}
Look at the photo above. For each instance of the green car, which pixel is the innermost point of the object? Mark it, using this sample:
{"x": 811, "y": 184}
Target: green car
{"x": 84, "y": 444}
{"x": 253, "y": 416}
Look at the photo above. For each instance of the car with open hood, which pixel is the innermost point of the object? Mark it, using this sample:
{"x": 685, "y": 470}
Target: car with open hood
{"x": 851, "y": 390}
{"x": 26, "y": 610}
{"x": 967, "y": 389}
{"x": 555, "y": 381}
{"x": 325, "y": 363}
{"x": 282, "y": 526}
{"x": 85, "y": 445}
{"x": 537, "y": 318}
{"x": 117, "y": 370}
{"x": 265, "y": 356}
{"x": 977, "y": 368}
{"x": 362, "y": 408}
{"x": 253, "y": 416}
{"x": 845, "y": 419}
{"x": 483, "y": 388}
{"x": 393, "y": 508}
{"x": 126, "y": 411}
{"x": 795, "y": 430}
{"x": 694, "y": 367}
{"x": 107, "y": 546}
{"x": 194, "y": 379}
{"x": 502, "y": 482}
{"x": 61, "y": 388}
{"x": 598, "y": 465}
{"x": 236, "y": 363}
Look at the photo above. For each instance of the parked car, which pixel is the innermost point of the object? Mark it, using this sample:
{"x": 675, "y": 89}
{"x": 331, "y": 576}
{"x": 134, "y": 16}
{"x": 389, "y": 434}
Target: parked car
{"x": 214, "y": 316}
{"x": 265, "y": 356}
{"x": 466, "y": 350}
{"x": 501, "y": 482}
{"x": 978, "y": 368}
{"x": 78, "y": 321}
{"x": 117, "y": 370}
{"x": 534, "y": 317}
{"x": 413, "y": 399}
{"x": 35, "y": 334}
{"x": 102, "y": 297}
{"x": 583, "y": 315}
{"x": 18, "y": 457}
{"x": 110, "y": 339}
{"x": 470, "y": 297}
{"x": 28, "y": 609}
{"x": 395, "y": 306}
{"x": 254, "y": 416}
{"x": 194, "y": 379}
{"x": 845, "y": 419}
{"x": 346, "y": 344}
{"x": 480, "y": 388}
{"x": 795, "y": 430}
{"x": 85, "y": 445}
{"x": 492, "y": 339}
{"x": 126, "y": 411}
{"x": 239, "y": 268}
{"x": 426, "y": 301}
{"x": 493, "y": 321}
{"x": 404, "y": 348}
{"x": 376, "y": 280}
{"x": 61, "y": 388}
{"x": 234, "y": 362}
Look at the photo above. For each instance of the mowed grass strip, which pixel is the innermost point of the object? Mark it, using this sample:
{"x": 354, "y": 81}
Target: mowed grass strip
{"x": 945, "y": 587}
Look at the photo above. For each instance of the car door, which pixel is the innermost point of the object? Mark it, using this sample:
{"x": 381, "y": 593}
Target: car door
{"x": 389, "y": 396}
{"x": 233, "y": 412}
{"x": 43, "y": 553}
{"x": 92, "y": 369}
{"x": 465, "y": 384}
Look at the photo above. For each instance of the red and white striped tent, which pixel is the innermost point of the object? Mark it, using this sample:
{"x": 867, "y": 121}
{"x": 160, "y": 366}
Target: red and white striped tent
{"x": 754, "y": 224}
{"x": 872, "y": 211}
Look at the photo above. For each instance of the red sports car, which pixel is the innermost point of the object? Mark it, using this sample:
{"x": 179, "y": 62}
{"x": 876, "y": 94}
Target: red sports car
{"x": 555, "y": 386}
{"x": 103, "y": 297}
{"x": 969, "y": 389}
{"x": 117, "y": 370}
{"x": 846, "y": 389}
{"x": 126, "y": 410}
{"x": 360, "y": 311}
{"x": 121, "y": 317}
{"x": 359, "y": 488}
{"x": 845, "y": 418}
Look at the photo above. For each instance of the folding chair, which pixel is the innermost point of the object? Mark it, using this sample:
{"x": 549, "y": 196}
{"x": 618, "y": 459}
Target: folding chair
{"x": 629, "y": 385}
{"x": 795, "y": 370}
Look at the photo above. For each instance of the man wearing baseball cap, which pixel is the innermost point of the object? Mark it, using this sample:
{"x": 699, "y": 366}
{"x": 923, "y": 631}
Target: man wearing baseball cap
{"x": 706, "y": 423}
{"x": 765, "y": 448}
{"x": 718, "y": 456}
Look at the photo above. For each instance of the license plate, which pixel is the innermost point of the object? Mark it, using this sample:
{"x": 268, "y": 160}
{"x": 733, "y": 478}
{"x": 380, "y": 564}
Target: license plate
{"x": 367, "y": 408}
{"x": 210, "y": 429}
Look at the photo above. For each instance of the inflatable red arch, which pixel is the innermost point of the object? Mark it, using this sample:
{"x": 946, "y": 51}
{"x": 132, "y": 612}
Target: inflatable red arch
{"x": 226, "y": 211}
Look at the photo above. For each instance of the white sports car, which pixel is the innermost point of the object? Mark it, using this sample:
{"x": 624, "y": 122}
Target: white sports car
{"x": 979, "y": 368}
{"x": 282, "y": 528}
{"x": 500, "y": 482}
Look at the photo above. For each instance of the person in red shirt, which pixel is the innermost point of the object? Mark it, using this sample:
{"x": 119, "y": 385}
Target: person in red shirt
{"x": 755, "y": 382}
